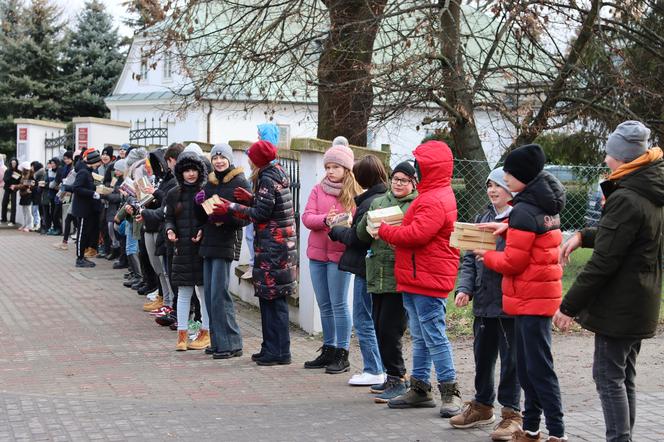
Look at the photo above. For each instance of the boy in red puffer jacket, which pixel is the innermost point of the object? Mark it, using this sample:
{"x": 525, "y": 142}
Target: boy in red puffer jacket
{"x": 532, "y": 285}
{"x": 425, "y": 270}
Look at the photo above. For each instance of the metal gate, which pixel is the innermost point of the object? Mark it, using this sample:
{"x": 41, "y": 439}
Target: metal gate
{"x": 290, "y": 161}
{"x": 156, "y": 134}
{"x": 56, "y": 145}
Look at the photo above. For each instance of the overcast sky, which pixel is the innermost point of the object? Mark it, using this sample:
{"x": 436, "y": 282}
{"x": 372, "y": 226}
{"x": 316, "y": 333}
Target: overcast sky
{"x": 114, "y": 7}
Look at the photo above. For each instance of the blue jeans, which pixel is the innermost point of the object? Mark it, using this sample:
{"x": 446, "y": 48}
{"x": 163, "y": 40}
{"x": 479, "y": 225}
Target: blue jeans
{"x": 131, "y": 245}
{"x": 364, "y": 327}
{"x": 331, "y": 290}
{"x": 426, "y": 319}
{"x": 224, "y": 331}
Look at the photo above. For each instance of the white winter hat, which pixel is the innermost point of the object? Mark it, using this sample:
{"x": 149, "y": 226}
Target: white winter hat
{"x": 497, "y": 175}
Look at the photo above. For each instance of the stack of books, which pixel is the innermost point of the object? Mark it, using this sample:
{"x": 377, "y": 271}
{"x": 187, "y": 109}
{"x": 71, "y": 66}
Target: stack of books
{"x": 390, "y": 215}
{"x": 468, "y": 236}
{"x": 97, "y": 178}
{"x": 208, "y": 204}
{"x": 103, "y": 190}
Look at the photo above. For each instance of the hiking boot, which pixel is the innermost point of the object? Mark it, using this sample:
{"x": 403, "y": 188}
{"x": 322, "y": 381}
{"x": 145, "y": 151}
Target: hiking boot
{"x": 418, "y": 396}
{"x": 511, "y": 422}
{"x": 153, "y": 305}
{"x": 523, "y": 436}
{"x": 201, "y": 341}
{"x": 340, "y": 363}
{"x": 90, "y": 252}
{"x": 325, "y": 357}
{"x": 84, "y": 263}
{"x": 472, "y": 415}
{"x": 182, "y": 341}
{"x": 394, "y": 386}
{"x": 137, "y": 285}
{"x": 451, "y": 399}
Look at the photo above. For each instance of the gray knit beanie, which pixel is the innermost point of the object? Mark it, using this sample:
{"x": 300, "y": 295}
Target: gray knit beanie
{"x": 628, "y": 142}
{"x": 136, "y": 155}
{"x": 497, "y": 175}
{"x": 224, "y": 150}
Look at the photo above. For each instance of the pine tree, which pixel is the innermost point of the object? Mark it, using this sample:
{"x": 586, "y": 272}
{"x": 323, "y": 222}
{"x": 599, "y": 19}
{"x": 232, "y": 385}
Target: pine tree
{"x": 31, "y": 83}
{"x": 93, "y": 62}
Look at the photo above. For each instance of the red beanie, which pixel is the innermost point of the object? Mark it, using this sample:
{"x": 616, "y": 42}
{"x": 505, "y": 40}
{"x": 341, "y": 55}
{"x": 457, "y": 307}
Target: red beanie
{"x": 261, "y": 153}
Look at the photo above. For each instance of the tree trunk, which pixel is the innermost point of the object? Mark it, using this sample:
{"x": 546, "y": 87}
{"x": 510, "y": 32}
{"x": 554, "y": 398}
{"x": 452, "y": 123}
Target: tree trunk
{"x": 345, "y": 91}
{"x": 463, "y": 128}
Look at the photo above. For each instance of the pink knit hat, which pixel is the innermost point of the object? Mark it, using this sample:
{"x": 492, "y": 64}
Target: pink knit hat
{"x": 340, "y": 155}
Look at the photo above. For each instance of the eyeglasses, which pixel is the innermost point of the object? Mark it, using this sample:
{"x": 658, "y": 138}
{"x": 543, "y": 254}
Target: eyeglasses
{"x": 401, "y": 182}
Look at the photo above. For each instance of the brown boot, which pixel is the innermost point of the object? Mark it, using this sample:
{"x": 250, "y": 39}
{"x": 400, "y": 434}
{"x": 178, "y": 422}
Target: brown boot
{"x": 182, "y": 340}
{"x": 90, "y": 252}
{"x": 472, "y": 415}
{"x": 201, "y": 341}
{"x": 521, "y": 436}
{"x": 511, "y": 421}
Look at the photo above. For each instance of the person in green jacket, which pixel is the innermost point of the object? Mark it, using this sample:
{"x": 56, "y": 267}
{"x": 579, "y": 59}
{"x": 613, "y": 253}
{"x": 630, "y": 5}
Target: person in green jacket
{"x": 388, "y": 313}
{"x": 617, "y": 295}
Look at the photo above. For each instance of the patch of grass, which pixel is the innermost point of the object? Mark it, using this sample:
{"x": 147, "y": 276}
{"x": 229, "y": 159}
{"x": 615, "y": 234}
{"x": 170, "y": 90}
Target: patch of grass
{"x": 460, "y": 320}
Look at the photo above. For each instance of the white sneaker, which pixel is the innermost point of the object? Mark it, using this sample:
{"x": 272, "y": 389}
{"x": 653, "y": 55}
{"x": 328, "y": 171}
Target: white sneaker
{"x": 366, "y": 379}
{"x": 10, "y": 224}
{"x": 248, "y": 274}
{"x": 153, "y": 296}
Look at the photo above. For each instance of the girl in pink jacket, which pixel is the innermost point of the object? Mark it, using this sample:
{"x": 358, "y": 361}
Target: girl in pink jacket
{"x": 334, "y": 195}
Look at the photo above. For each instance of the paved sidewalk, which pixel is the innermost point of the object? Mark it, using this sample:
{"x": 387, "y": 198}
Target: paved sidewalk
{"x": 81, "y": 361}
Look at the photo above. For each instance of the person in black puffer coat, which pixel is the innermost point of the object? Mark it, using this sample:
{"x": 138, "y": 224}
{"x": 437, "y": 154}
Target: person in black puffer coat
{"x": 153, "y": 222}
{"x": 11, "y": 179}
{"x": 371, "y": 175}
{"x": 275, "y": 245}
{"x": 183, "y": 227}
{"x": 222, "y": 239}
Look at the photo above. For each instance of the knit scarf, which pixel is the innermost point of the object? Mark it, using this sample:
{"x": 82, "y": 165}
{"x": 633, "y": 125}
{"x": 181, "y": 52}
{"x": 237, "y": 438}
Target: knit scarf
{"x": 331, "y": 188}
{"x": 651, "y": 155}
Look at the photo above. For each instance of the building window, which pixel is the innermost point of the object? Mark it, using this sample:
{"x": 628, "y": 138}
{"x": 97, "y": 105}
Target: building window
{"x": 284, "y": 136}
{"x": 144, "y": 69}
{"x": 168, "y": 66}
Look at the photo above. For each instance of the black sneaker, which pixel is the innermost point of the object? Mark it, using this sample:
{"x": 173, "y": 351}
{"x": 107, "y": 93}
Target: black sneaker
{"x": 340, "y": 363}
{"x": 228, "y": 354}
{"x": 84, "y": 263}
{"x": 210, "y": 351}
{"x": 167, "y": 320}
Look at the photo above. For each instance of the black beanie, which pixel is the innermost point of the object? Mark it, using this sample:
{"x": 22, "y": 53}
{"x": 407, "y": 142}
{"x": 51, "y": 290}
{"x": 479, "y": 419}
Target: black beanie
{"x": 108, "y": 150}
{"x": 525, "y": 163}
{"x": 406, "y": 168}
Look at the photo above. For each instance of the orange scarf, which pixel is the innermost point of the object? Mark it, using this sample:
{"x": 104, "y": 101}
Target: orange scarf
{"x": 651, "y": 155}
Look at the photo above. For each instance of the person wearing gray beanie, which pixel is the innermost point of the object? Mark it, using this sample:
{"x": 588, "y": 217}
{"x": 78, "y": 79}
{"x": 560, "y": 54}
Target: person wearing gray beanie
{"x": 136, "y": 155}
{"x": 628, "y": 142}
{"x": 224, "y": 150}
{"x": 497, "y": 175}
{"x": 120, "y": 165}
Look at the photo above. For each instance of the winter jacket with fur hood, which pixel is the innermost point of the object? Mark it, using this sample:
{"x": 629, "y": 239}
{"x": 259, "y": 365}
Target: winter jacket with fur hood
{"x": 184, "y": 220}
{"x": 223, "y": 240}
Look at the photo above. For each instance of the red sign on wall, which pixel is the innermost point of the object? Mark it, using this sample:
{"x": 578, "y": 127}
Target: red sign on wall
{"x": 82, "y": 138}
{"x": 23, "y": 134}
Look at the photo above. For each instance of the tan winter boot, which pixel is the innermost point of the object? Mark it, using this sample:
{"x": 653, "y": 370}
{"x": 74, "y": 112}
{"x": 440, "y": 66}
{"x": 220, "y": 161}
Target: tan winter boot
{"x": 521, "y": 436}
{"x": 472, "y": 415}
{"x": 182, "y": 341}
{"x": 451, "y": 399}
{"x": 201, "y": 341}
{"x": 511, "y": 422}
{"x": 152, "y": 305}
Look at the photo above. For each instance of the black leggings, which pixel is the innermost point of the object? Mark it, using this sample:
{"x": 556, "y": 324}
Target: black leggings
{"x": 9, "y": 194}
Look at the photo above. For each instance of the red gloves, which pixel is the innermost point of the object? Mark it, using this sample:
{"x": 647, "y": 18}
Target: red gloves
{"x": 243, "y": 195}
{"x": 221, "y": 209}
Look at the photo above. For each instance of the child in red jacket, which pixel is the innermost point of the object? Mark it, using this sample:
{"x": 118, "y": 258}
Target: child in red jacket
{"x": 425, "y": 271}
{"x": 532, "y": 286}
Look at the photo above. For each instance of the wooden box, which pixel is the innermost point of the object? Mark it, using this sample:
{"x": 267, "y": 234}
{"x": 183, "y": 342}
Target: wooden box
{"x": 390, "y": 215}
{"x": 468, "y": 236}
{"x": 208, "y": 204}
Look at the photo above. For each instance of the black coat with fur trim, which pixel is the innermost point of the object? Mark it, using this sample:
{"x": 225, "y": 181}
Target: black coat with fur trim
{"x": 183, "y": 217}
{"x": 224, "y": 240}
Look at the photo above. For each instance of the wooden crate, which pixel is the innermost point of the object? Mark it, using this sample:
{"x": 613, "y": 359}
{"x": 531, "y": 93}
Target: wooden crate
{"x": 468, "y": 236}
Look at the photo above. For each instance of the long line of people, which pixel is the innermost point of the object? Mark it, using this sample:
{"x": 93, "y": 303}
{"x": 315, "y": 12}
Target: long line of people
{"x": 174, "y": 248}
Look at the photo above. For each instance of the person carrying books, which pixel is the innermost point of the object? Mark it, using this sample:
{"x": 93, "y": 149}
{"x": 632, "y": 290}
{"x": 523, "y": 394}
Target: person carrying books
{"x": 334, "y": 195}
{"x": 425, "y": 270}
